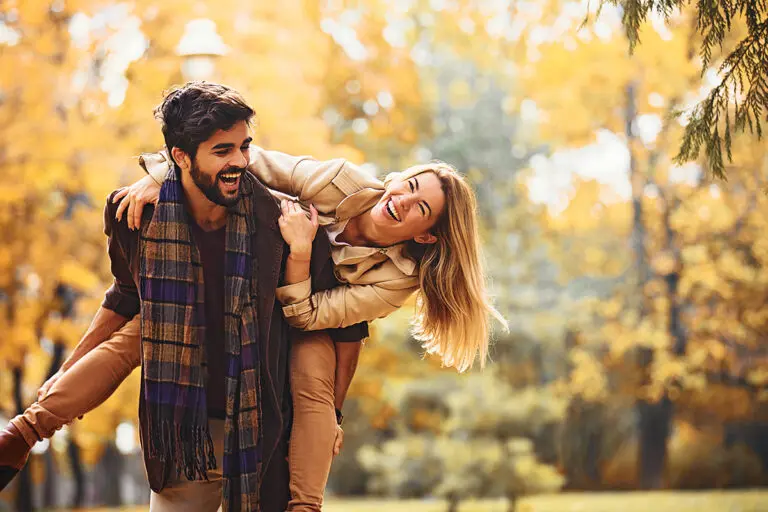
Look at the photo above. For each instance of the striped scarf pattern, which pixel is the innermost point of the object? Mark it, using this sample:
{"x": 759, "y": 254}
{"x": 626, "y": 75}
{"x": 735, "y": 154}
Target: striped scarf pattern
{"x": 173, "y": 346}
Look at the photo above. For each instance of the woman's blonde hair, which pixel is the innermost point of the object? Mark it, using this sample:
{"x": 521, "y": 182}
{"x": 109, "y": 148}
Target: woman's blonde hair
{"x": 452, "y": 305}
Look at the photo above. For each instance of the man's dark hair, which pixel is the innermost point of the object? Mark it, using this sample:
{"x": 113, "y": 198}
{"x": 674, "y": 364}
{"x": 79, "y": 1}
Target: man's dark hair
{"x": 192, "y": 113}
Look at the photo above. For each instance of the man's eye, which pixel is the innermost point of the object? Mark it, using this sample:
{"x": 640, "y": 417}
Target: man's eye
{"x": 245, "y": 148}
{"x": 222, "y": 153}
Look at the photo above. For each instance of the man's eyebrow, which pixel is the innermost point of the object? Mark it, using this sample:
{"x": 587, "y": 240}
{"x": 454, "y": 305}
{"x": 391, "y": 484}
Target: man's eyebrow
{"x": 223, "y": 145}
{"x": 247, "y": 141}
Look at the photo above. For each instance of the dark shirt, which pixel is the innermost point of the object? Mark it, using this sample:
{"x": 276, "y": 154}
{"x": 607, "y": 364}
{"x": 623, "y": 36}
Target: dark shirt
{"x": 123, "y": 296}
{"x": 274, "y": 335}
{"x": 123, "y": 249}
{"x": 211, "y": 246}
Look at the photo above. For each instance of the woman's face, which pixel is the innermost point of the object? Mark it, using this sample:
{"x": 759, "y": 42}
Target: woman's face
{"x": 409, "y": 208}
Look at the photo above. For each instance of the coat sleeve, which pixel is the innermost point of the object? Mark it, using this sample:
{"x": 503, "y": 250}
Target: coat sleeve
{"x": 323, "y": 183}
{"x": 123, "y": 296}
{"x": 344, "y": 305}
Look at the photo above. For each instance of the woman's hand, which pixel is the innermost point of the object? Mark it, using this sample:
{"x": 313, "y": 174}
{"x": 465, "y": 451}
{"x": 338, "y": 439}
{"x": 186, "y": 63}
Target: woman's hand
{"x": 298, "y": 231}
{"x": 141, "y": 193}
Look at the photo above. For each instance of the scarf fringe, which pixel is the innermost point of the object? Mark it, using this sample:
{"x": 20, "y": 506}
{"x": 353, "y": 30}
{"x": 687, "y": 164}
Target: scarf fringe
{"x": 188, "y": 447}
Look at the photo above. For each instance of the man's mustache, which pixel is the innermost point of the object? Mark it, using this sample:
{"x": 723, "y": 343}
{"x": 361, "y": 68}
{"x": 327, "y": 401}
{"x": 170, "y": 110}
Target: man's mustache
{"x": 230, "y": 170}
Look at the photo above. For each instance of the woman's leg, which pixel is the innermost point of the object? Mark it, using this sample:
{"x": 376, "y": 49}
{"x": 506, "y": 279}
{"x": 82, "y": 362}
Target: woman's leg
{"x": 313, "y": 372}
{"x": 86, "y": 385}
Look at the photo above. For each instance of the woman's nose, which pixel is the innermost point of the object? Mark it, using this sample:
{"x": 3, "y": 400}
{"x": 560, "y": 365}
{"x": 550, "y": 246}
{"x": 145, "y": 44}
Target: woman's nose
{"x": 407, "y": 201}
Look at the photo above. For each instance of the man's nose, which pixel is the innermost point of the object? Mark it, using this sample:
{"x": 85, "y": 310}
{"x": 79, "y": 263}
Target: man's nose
{"x": 240, "y": 160}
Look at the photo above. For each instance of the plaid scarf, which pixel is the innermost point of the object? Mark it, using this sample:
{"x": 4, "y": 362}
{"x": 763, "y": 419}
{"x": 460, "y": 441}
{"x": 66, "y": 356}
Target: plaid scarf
{"x": 173, "y": 335}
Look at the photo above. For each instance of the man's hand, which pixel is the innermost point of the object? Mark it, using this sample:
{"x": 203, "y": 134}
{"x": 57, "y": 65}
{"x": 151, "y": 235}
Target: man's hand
{"x": 138, "y": 195}
{"x": 338, "y": 443}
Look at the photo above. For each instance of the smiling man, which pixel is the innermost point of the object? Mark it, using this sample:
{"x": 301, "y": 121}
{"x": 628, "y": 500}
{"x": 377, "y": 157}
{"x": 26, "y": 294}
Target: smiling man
{"x": 203, "y": 271}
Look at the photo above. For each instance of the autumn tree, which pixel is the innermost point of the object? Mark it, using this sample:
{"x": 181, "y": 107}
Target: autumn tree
{"x": 739, "y": 101}
{"x": 650, "y": 320}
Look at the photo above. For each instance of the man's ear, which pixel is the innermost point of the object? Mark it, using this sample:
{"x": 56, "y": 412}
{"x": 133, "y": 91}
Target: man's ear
{"x": 425, "y": 238}
{"x": 181, "y": 158}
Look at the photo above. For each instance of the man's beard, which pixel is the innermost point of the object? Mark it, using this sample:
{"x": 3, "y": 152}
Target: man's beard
{"x": 211, "y": 190}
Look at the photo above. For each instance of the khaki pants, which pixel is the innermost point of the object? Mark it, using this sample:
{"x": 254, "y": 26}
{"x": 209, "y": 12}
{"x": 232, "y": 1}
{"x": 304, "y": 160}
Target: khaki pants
{"x": 313, "y": 376}
{"x": 182, "y": 495}
{"x": 89, "y": 382}
{"x": 85, "y": 386}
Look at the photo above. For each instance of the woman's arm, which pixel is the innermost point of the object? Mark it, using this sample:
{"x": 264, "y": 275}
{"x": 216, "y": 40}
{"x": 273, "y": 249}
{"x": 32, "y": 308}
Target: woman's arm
{"x": 324, "y": 183}
{"x": 298, "y": 232}
{"x": 344, "y": 305}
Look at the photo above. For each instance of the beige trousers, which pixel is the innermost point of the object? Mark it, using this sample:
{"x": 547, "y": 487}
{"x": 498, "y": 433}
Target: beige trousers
{"x": 90, "y": 381}
{"x": 313, "y": 376}
{"x": 182, "y": 495}
{"x": 85, "y": 386}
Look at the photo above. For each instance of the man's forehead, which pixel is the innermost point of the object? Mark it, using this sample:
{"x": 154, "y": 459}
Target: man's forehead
{"x": 237, "y": 134}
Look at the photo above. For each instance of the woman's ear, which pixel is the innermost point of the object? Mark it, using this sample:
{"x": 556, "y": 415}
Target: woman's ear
{"x": 425, "y": 238}
{"x": 181, "y": 158}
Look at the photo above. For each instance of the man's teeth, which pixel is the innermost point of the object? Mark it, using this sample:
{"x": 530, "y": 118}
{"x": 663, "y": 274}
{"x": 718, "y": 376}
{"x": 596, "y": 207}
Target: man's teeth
{"x": 231, "y": 176}
{"x": 392, "y": 211}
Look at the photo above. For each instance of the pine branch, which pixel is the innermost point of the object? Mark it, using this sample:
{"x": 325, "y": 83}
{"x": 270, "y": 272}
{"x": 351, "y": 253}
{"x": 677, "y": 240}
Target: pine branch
{"x": 743, "y": 90}
{"x": 740, "y": 101}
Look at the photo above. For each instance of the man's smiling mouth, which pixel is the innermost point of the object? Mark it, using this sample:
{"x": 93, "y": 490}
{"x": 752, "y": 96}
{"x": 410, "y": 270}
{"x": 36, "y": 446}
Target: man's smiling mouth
{"x": 230, "y": 178}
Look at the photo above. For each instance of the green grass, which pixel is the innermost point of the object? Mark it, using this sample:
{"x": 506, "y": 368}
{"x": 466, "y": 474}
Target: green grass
{"x": 740, "y": 501}
{"x": 710, "y": 501}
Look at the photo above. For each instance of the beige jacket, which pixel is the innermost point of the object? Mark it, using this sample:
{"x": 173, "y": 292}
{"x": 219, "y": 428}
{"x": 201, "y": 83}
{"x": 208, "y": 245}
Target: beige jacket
{"x": 378, "y": 280}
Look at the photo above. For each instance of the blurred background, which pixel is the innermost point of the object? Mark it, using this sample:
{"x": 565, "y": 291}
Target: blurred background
{"x": 634, "y": 286}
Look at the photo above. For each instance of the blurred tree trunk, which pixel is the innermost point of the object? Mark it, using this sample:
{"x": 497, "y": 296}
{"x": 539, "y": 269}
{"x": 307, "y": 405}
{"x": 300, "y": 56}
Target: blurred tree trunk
{"x": 581, "y": 449}
{"x": 512, "y": 500}
{"x": 653, "y": 427}
{"x": 112, "y": 466}
{"x": 49, "y": 485}
{"x": 73, "y": 452}
{"x": 453, "y": 503}
{"x": 23, "y": 480}
{"x": 78, "y": 474}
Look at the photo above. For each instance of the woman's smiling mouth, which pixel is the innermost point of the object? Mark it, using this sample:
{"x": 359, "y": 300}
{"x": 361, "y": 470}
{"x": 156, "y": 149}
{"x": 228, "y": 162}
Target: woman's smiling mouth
{"x": 392, "y": 211}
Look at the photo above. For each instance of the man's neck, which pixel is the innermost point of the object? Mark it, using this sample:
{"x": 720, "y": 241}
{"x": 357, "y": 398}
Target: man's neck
{"x": 208, "y": 215}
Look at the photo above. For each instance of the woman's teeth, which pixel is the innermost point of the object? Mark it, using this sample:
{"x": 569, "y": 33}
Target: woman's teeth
{"x": 392, "y": 212}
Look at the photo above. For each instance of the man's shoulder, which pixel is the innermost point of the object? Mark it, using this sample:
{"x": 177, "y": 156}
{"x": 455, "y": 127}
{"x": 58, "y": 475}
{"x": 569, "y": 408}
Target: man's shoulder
{"x": 113, "y": 226}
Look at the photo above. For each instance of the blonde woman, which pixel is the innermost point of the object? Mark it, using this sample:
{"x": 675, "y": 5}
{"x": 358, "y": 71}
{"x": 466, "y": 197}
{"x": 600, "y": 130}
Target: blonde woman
{"x": 416, "y": 232}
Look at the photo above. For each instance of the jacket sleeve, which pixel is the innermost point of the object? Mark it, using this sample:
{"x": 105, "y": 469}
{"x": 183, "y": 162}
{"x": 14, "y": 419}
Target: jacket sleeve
{"x": 323, "y": 183}
{"x": 123, "y": 296}
{"x": 344, "y": 305}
